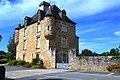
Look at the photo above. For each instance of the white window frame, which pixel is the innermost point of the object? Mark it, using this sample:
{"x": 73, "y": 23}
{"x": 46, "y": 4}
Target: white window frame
{"x": 64, "y": 42}
{"x": 64, "y": 27}
{"x": 37, "y": 55}
{"x": 38, "y": 42}
{"x": 25, "y": 33}
{"x": 38, "y": 28}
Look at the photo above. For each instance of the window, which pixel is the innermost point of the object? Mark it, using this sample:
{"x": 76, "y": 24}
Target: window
{"x": 25, "y": 32}
{"x": 37, "y": 55}
{"x": 24, "y": 45}
{"x": 23, "y": 57}
{"x": 64, "y": 42}
{"x": 48, "y": 27}
{"x": 38, "y": 42}
{"x": 38, "y": 28}
{"x": 64, "y": 27}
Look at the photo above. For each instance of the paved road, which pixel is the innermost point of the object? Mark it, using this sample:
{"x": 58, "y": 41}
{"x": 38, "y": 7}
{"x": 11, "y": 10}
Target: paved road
{"x": 20, "y": 73}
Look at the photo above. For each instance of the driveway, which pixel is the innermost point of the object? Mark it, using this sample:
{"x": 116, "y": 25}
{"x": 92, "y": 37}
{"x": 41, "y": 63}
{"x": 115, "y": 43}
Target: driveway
{"x": 20, "y": 73}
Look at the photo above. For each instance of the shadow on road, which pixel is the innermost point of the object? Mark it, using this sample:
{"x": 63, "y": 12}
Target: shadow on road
{"x": 9, "y": 79}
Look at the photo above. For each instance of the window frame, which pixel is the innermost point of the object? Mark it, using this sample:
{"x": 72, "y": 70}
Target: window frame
{"x": 38, "y": 43}
{"x": 64, "y": 42}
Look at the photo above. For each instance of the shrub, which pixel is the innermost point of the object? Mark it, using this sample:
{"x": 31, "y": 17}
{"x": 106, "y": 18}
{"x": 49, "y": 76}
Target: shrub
{"x": 3, "y": 61}
{"x": 27, "y": 64}
{"x": 21, "y": 63}
{"x": 35, "y": 61}
{"x": 112, "y": 67}
{"x": 12, "y": 62}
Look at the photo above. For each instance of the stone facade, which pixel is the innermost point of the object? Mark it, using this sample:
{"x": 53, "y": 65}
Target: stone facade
{"x": 50, "y": 35}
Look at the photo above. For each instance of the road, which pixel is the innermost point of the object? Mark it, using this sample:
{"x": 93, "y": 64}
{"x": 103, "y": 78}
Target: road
{"x": 20, "y": 73}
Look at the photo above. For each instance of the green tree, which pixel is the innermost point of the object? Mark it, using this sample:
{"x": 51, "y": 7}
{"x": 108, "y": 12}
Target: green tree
{"x": 105, "y": 54}
{"x": 86, "y": 52}
{"x": 11, "y": 48}
{"x": 114, "y": 52}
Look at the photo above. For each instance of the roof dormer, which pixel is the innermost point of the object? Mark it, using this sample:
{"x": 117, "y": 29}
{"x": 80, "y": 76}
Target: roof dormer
{"x": 44, "y": 6}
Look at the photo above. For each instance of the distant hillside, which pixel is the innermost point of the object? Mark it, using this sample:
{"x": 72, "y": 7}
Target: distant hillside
{"x": 2, "y": 52}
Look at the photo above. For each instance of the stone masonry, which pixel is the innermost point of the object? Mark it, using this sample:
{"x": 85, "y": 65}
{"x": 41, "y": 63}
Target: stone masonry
{"x": 51, "y": 21}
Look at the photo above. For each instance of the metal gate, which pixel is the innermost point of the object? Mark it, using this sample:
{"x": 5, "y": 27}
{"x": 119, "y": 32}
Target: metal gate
{"x": 62, "y": 61}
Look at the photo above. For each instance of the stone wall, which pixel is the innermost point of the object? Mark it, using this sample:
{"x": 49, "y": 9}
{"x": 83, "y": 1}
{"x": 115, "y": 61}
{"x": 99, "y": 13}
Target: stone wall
{"x": 91, "y": 63}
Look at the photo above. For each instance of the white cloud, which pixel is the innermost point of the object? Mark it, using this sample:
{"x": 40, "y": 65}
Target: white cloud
{"x": 102, "y": 39}
{"x": 75, "y": 8}
{"x": 89, "y": 30}
{"x": 83, "y": 8}
{"x": 117, "y": 33}
{"x": 92, "y": 46}
{"x": 12, "y": 13}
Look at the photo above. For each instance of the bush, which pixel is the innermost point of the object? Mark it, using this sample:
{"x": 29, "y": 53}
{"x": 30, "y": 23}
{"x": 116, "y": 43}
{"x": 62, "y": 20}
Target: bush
{"x": 12, "y": 62}
{"x": 27, "y": 64}
{"x": 35, "y": 61}
{"x": 3, "y": 61}
{"x": 112, "y": 67}
{"x": 21, "y": 63}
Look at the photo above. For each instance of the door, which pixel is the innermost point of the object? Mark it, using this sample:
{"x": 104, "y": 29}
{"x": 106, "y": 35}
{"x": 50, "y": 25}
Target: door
{"x": 62, "y": 61}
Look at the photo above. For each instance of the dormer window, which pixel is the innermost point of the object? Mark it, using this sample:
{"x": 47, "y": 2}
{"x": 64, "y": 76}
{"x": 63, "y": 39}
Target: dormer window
{"x": 25, "y": 21}
{"x": 44, "y": 6}
{"x": 39, "y": 16}
{"x": 60, "y": 14}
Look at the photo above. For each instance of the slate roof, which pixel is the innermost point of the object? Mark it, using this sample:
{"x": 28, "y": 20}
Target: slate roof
{"x": 52, "y": 11}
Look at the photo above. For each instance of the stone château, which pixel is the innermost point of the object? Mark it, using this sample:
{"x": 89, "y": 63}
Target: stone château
{"x": 49, "y": 35}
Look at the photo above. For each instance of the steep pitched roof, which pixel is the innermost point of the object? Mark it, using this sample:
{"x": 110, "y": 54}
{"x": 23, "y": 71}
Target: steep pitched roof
{"x": 52, "y": 11}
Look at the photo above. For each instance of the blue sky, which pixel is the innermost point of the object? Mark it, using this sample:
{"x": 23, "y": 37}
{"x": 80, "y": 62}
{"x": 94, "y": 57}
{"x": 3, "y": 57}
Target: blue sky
{"x": 98, "y": 21}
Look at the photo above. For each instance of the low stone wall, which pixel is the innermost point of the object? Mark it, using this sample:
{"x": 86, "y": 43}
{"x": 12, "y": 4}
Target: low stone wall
{"x": 91, "y": 63}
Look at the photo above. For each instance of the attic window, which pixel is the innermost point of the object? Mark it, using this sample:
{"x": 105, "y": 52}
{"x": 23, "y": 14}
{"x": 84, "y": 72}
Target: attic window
{"x": 60, "y": 14}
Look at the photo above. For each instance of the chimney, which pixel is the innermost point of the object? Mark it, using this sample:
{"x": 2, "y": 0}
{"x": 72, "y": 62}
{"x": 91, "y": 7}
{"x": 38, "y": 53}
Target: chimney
{"x": 44, "y": 6}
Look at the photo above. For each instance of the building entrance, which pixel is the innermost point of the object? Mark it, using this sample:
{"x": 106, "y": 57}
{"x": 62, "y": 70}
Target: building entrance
{"x": 62, "y": 61}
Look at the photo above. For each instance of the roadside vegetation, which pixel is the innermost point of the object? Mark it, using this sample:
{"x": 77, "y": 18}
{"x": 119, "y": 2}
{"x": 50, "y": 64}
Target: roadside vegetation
{"x": 36, "y": 63}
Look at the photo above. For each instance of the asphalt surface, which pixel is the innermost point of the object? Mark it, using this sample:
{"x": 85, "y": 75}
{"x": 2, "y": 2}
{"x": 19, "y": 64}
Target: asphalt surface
{"x": 20, "y": 73}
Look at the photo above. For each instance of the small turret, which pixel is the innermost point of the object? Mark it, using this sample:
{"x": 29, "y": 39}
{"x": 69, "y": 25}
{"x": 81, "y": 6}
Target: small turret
{"x": 50, "y": 26}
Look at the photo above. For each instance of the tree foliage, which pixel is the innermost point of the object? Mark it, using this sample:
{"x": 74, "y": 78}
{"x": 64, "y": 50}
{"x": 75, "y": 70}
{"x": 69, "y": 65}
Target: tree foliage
{"x": 11, "y": 48}
{"x": 87, "y": 52}
{"x": 112, "y": 52}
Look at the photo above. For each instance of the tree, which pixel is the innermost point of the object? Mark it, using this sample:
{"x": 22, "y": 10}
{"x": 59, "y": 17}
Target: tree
{"x": 86, "y": 52}
{"x": 114, "y": 52}
{"x": 11, "y": 48}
